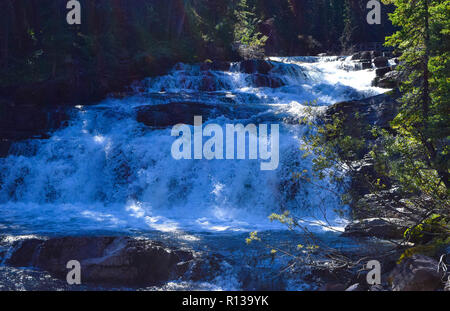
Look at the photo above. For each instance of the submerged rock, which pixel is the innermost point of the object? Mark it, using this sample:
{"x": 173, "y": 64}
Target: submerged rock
{"x": 104, "y": 260}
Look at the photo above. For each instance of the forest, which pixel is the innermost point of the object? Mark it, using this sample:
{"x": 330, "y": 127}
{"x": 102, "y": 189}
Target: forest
{"x": 133, "y": 39}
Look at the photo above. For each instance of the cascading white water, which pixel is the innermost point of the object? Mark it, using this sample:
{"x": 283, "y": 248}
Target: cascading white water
{"x": 107, "y": 171}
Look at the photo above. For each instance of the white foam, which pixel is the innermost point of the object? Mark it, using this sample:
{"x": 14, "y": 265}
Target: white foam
{"x": 106, "y": 171}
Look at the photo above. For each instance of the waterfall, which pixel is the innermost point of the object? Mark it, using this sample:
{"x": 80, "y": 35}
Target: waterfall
{"x": 111, "y": 167}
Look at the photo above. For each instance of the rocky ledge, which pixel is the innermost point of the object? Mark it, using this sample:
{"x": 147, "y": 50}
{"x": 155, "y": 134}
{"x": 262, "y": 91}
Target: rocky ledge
{"x": 110, "y": 261}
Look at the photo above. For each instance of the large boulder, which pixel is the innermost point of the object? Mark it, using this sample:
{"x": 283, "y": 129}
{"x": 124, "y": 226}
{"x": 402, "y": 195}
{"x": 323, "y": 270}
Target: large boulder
{"x": 382, "y": 71}
{"x": 356, "y": 56}
{"x": 376, "y": 54}
{"x": 366, "y": 65}
{"x": 19, "y": 122}
{"x": 366, "y": 55}
{"x": 416, "y": 273}
{"x": 381, "y": 62}
{"x": 390, "y": 80}
{"x": 383, "y": 228}
{"x": 121, "y": 261}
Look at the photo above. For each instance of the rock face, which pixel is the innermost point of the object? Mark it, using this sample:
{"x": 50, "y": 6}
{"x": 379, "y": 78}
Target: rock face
{"x": 418, "y": 273}
{"x": 385, "y": 203}
{"x": 104, "y": 260}
{"x": 384, "y": 228}
{"x": 377, "y": 110}
{"x": 389, "y": 81}
{"x": 27, "y": 121}
{"x": 165, "y": 115}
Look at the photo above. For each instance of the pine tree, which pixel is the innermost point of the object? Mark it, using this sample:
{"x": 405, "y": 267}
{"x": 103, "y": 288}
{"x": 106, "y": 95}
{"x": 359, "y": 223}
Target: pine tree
{"x": 423, "y": 121}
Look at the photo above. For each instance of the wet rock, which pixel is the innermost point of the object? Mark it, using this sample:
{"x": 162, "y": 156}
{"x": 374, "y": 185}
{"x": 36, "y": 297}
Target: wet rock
{"x": 161, "y": 116}
{"x": 377, "y": 110}
{"x": 104, "y": 260}
{"x": 386, "y": 203}
{"x": 165, "y": 115}
{"x": 215, "y": 65}
{"x": 19, "y": 122}
{"x": 381, "y": 62}
{"x": 375, "y": 54}
{"x": 356, "y": 56}
{"x": 366, "y": 55}
{"x": 390, "y": 80}
{"x": 383, "y": 228}
{"x": 382, "y": 71}
{"x": 260, "y": 80}
{"x": 417, "y": 273}
{"x": 255, "y": 66}
{"x": 447, "y": 285}
{"x": 366, "y": 65}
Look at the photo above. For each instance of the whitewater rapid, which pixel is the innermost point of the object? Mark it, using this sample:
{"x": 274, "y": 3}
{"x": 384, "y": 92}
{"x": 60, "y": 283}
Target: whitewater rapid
{"x": 107, "y": 172}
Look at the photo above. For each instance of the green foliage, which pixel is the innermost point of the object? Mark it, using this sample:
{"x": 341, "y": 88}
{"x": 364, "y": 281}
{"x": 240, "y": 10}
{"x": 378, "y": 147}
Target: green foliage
{"x": 422, "y": 125}
{"x": 246, "y": 28}
{"x": 434, "y": 227}
{"x": 332, "y": 145}
{"x": 136, "y": 38}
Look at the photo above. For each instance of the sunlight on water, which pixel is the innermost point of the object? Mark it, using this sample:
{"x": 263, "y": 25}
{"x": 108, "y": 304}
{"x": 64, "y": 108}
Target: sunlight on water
{"x": 107, "y": 171}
